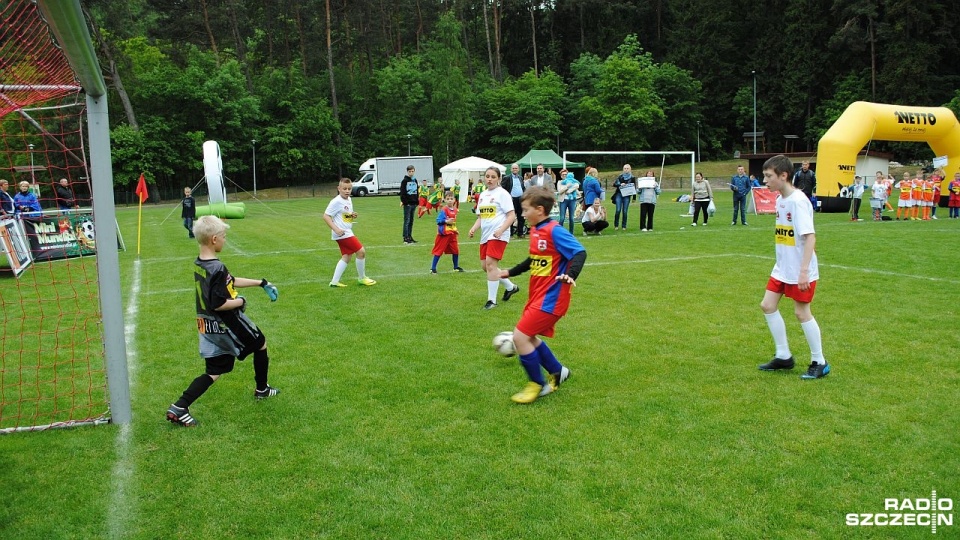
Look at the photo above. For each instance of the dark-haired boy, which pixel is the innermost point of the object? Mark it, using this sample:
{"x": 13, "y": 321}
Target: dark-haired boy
{"x": 555, "y": 261}
{"x": 795, "y": 272}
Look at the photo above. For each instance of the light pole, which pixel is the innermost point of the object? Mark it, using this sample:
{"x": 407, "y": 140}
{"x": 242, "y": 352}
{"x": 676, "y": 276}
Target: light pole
{"x": 754, "y": 73}
{"x": 698, "y": 141}
{"x": 253, "y": 143}
{"x": 33, "y": 179}
{"x": 409, "y": 136}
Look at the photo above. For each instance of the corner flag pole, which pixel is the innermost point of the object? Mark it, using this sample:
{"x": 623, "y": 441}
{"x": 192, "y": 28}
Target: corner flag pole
{"x": 142, "y": 195}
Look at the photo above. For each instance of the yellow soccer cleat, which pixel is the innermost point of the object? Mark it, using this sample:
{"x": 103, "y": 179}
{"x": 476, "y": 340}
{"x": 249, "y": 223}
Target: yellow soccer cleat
{"x": 366, "y": 281}
{"x": 337, "y": 284}
{"x": 529, "y": 394}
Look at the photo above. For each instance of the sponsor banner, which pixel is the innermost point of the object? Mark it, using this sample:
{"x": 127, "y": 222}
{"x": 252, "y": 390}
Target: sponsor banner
{"x": 14, "y": 244}
{"x": 764, "y": 200}
{"x": 61, "y": 237}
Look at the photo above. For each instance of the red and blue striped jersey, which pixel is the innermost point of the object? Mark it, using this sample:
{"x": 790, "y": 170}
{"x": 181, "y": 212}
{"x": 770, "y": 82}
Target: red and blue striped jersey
{"x": 551, "y": 248}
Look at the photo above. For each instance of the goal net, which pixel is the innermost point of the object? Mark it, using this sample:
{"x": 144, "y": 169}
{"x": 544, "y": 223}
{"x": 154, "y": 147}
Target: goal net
{"x": 51, "y": 343}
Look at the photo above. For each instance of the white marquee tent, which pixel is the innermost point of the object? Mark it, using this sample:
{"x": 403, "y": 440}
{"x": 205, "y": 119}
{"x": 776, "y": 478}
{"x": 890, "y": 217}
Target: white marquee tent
{"x": 466, "y": 170}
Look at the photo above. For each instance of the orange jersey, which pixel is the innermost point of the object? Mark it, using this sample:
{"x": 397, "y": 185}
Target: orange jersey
{"x": 917, "y": 192}
{"x": 927, "y": 187}
{"x": 905, "y": 187}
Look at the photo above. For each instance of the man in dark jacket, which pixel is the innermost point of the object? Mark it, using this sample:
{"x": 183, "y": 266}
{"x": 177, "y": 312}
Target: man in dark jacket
{"x": 806, "y": 180}
{"x": 409, "y": 199}
{"x": 740, "y": 185}
{"x": 513, "y": 183}
{"x": 6, "y": 201}
{"x": 65, "y": 199}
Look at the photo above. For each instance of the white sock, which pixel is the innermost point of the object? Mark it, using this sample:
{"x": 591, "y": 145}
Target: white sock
{"x": 361, "y": 268}
{"x": 338, "y": 273}
{"x": 778, "y": 329}
{"x": 507, "y": 284}
{"x": 492, "y": 288}
{"x": 812, "y": 330}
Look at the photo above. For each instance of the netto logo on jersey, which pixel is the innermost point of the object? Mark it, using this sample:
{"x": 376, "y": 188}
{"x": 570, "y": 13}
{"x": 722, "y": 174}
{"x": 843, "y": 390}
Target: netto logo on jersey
{"x": 927, "y": 119}
{"x": 847, "y": 168}
{"x": 930, "y": 512}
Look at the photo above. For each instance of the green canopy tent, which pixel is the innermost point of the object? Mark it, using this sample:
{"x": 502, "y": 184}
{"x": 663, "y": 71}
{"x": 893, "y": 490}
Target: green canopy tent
{"x": 550, "y": 160}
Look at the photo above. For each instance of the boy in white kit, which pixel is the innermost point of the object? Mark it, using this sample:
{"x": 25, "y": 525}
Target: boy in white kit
{"x": 795, "y": 273}
{"x": 339, "y": 216}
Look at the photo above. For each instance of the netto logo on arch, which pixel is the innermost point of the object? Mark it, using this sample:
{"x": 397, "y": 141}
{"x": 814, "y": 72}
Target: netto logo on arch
{"x": 846, "y": 167}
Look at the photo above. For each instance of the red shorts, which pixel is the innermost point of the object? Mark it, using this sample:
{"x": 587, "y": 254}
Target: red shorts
{"x": 493, "y": 249}
{"x": 423, "y": 201}
{"x": 446, "y": 243}
{"x": 792, "y": 290}
{"x": 349, "y": 246}
{"x": 535, "y": 322}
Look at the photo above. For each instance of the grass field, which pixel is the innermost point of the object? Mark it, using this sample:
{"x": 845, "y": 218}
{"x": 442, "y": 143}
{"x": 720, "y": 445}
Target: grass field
{"x": 395, "y": 419}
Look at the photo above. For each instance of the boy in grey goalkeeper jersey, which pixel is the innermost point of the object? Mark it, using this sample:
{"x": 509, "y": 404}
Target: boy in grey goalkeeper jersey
{"x": 226, "y": 333}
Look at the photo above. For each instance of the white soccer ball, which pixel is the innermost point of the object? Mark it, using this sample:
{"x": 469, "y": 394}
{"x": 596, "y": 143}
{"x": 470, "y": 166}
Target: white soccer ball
{"x": 503, "y": 344}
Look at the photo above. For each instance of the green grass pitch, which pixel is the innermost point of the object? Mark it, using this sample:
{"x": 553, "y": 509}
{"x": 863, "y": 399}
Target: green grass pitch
{"x": 395, "y": 419}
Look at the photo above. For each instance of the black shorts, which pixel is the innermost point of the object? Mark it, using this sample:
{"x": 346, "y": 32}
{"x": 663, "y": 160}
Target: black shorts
{"x": 218, "y": 365}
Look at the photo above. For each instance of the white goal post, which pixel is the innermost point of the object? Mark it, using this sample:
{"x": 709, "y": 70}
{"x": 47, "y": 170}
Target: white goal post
{"x": 635, "y": 153}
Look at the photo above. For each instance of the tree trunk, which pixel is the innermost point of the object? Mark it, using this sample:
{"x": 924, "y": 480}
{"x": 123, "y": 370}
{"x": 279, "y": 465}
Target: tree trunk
{"x": 303, "y": 39}
{"x": 873, "y": 60}
{"x": 206, "y": 24}
{"x": 333, "y": 82}
{"x": 496, "y": 40}
{"x": 533, "y": 34}
{"x": 486, "y": 30}
{"x": 419, "y": 25}
{"x": 241, "y": 46}
{"x": 114, "y": 73}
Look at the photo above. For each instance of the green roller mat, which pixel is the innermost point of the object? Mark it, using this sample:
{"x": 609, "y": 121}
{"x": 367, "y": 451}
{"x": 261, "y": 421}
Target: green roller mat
{"x": 223, "y": 210}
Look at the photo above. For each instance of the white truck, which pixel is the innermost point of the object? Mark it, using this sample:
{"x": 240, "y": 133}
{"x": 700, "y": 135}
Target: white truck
{"x": 383, "y": 175}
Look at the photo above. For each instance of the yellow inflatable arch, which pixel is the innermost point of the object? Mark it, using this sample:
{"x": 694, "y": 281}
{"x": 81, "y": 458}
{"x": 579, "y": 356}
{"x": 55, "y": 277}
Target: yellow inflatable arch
{"x": 863, "y": 121}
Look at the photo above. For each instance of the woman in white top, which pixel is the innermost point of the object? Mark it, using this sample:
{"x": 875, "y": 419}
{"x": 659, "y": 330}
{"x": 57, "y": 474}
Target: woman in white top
{"x": 595, "y": 218}
{"x": 701, "y": 194}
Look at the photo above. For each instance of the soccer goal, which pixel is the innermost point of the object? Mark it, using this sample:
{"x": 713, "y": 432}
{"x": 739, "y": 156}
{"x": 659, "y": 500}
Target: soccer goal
{"x": 663, "y": 153}
{"x": 63, "y": 358}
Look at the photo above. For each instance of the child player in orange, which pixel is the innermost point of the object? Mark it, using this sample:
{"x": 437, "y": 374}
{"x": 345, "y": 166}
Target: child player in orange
{"x": 446, "y": 241}
{"x": 916, "y": 195}
{"x": 927, "y": 195}
{"x": 555, "y": 261}
{"x": 904, "y": 203}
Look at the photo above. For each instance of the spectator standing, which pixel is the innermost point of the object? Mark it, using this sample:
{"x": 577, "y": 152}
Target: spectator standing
{"x": 25, "y": 203}
{"x": 648, "y": 203}
{"x": 701, "y": 194}
{"x": 409, "y": 197}
{"x": 622, "y": 202}
{"x": 805, "y": 180}
{"x": 65, "y": 198}
{"x": 188, "y": 211}
{"x": 514, "y": 184}
{"x": 567, "y": 192}
{"x": 740, "y": 185}
{"x": 857, "y": 191}
{"x": 591, "y": 188}
{"x": 6, "y": 201}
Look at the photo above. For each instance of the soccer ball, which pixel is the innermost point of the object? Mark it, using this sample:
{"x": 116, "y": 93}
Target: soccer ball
{"x": 503, "y": 344}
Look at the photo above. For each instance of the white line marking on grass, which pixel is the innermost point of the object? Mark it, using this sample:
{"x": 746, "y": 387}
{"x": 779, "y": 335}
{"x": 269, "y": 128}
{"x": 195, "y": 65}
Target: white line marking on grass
{"x": 874, "y": 271}
{"x": 122, "y": 512}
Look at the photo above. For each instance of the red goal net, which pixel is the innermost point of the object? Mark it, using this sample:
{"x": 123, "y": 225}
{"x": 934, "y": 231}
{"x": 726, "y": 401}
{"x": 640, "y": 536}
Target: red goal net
{"x": 51, "y": 350}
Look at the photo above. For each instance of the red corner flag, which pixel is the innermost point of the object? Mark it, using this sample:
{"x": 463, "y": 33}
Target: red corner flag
{"x": 142, "y": 189}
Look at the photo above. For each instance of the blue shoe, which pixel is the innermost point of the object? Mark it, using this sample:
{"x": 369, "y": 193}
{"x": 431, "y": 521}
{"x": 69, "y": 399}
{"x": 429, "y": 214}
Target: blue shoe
{"x": 816, "y": 371}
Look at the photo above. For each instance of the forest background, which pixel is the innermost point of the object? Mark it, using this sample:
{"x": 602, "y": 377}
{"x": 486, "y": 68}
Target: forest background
{"x": 322, "y": 85}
